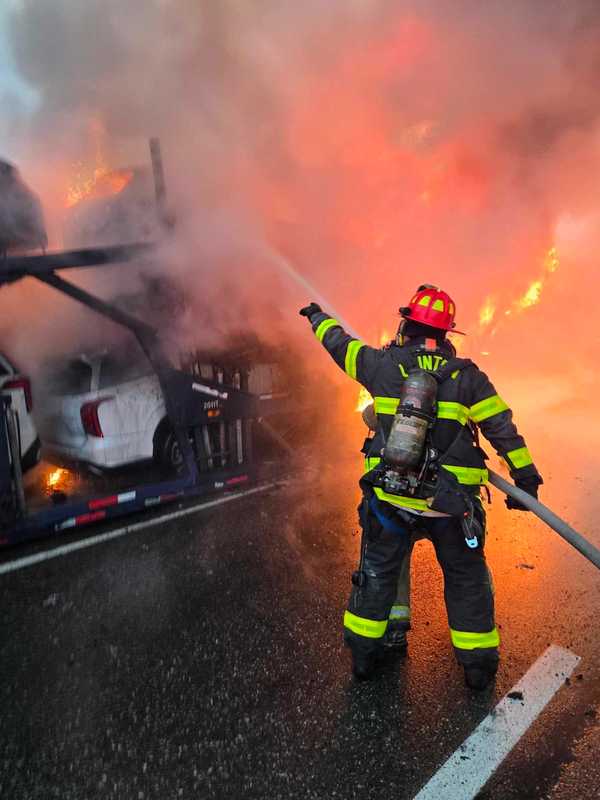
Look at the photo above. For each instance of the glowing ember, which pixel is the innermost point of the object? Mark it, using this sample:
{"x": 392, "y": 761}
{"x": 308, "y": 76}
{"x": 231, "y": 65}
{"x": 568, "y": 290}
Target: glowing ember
{"x": 551, "y": 262}
{"x": 55, "y": 478}
{"x": 364, "y": 399}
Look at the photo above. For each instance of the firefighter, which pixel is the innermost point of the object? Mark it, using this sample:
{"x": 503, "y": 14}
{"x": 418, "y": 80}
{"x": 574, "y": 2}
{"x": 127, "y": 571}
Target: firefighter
{"x": 443, "y": 502}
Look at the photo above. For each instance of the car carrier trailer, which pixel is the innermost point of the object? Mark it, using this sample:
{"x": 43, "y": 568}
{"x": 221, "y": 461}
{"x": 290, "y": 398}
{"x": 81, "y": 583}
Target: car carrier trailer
{"x": 200, "y": 411}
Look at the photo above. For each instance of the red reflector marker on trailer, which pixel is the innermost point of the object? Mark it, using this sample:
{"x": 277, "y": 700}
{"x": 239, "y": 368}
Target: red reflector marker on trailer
{"x": 82, "y": 519}
{"x": 113, "y": 500}
{"x": 239, "y": 479}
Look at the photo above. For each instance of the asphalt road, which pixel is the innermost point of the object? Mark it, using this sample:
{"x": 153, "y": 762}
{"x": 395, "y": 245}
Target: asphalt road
{"x": 203, "y": 658}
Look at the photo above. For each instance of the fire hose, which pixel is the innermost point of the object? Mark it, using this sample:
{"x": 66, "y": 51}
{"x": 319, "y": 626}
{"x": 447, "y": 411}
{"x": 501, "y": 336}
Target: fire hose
{"x": 557, "y": 524}
{"x": 569, "y": 534}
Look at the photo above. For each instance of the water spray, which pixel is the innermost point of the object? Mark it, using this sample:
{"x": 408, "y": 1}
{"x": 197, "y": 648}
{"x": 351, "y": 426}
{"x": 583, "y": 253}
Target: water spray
{"x": 569, "y": 534}
{"x": 286, "y": 266}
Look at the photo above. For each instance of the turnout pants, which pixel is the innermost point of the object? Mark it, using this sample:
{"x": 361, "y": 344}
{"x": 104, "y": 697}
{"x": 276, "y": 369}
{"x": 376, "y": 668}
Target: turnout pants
{"x": 387, "y": 540}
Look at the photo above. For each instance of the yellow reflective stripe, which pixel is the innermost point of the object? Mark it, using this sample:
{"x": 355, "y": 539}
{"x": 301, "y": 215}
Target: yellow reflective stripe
{"x": 455, "y": 411}
{"x": 385, "y": 405}
{"x": 469, "y": 476}
{"x": 351, "y": 355}
{"x": 400, "y": 500}
{"x": 371, "y": 463}
{"x": 487, "y": 408}
{"x": 455, "y": 374}
{"x": 520, "y": 457}
{"x": 400, "y": 612}
{"x": 324, "y": 326}
{"x": 371, "y": 628}
{"x": 472, "y": 641}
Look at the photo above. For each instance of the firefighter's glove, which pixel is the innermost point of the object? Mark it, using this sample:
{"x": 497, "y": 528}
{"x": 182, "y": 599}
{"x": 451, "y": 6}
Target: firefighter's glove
{"x": 529, "y": 485}
{"x": 311, "y": 310}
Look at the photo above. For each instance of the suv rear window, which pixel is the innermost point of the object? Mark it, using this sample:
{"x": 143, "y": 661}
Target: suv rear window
{"x": 116, "y": 369}
{"x": 75, "y": 377}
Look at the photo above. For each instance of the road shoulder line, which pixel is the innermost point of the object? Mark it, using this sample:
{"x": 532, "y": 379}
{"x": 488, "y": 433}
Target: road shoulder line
{"x": 471, "y": 766}
{"x": 62, "y": 550}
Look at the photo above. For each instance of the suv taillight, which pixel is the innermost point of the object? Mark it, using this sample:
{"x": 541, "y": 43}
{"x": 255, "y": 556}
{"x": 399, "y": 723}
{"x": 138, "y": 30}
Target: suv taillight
{"x": 25, "y": 385}
{"x": 90, "y": 419}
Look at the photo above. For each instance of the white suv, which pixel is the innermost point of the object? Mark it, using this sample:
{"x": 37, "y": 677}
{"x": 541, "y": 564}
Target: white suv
{"x": 18, "y": 387}
{"x": 105, "y": 410}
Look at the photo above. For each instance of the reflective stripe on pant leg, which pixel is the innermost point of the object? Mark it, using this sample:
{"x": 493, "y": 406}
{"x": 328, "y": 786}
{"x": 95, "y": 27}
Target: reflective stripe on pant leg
{"x": 371, "y": 628}
{"x": 467, "y": 587}
{"x": 466, "y": 640}
{"x": 400, "y": 613}
{"x": 366, "y": 619}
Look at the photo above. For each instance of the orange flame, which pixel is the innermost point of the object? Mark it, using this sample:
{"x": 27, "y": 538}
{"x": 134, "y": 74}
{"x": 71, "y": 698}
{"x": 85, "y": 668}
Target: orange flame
{"x": 530, "y": 298}
{"x": 56, "y": 477}
{"x": 486, "y": 315}
{"x": 364, "y": 399}
{"x": 100, "y": 181}
{"x": 532, "y": 295}
{"x": 102, "y": 184}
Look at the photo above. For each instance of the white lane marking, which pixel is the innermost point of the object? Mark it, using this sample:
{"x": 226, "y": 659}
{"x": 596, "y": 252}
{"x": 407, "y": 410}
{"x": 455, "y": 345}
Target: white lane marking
{"x": 28, "y": 561}
{"x": 470, "y": 767}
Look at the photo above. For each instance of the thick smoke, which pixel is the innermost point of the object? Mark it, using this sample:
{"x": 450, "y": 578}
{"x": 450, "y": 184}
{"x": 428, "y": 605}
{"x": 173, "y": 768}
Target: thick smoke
{"x": 375, "y": 144}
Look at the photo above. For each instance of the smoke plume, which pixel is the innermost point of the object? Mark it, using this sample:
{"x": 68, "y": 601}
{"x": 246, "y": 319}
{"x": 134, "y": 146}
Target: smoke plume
{"x": 374, "y": 144}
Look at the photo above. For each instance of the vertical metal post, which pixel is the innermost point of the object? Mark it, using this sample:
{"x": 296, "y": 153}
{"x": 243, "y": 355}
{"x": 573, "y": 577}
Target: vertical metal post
{"x": 239, "y": 439}
{"x": 160, "y": 187}
{"x": 15, "y": 447}
{"x": 222, "y": 431}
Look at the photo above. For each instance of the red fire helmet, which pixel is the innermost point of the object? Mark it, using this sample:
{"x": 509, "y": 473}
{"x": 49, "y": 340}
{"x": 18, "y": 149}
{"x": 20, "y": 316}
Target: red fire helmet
{"x": 431, "y": 306}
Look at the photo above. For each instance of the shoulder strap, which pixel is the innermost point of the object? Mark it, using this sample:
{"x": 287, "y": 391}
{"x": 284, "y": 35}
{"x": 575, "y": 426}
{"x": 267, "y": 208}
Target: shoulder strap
{"x": 453, "y": 365}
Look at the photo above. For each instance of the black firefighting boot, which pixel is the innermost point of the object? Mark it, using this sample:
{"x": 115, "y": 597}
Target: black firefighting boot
{"x": 395, "y": 636}
{"x": 365, "y": 662}
{"x": 363, "y": 665}
{"x": 478, "y": 678}
{"x": 480, "y": 673}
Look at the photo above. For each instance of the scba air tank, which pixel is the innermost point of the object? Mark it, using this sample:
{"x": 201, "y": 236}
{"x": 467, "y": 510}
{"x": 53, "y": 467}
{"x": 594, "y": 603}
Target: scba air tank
{"x": 416, "y": 410}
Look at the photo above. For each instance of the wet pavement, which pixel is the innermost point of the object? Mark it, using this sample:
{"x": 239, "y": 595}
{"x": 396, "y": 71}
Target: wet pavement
{"x": 203, "y": 658}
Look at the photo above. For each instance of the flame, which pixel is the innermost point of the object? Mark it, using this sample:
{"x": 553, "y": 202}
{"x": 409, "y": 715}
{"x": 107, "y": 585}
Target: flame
{"x": 364, "y": 399}
{"x": 531, "y": 297}
{"x": 56, "y": 477}
{"x": 103, "y": 184}
{"x": 99, "y": 181}
{"x": 486, "y": 315}
{"x": 551, "y": 262}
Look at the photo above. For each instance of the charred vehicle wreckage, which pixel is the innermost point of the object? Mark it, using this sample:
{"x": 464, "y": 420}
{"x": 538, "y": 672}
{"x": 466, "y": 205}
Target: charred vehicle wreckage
{"x": 217, "y": 418}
